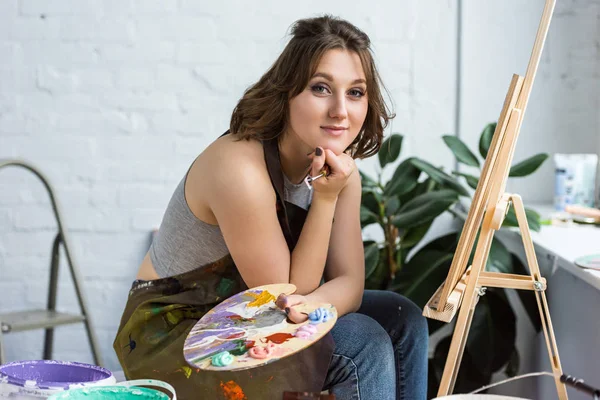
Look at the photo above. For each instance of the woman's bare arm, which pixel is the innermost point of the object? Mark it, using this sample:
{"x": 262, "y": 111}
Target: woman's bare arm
{"x": 242, "y": 199}
{"x": 345, "y": 270}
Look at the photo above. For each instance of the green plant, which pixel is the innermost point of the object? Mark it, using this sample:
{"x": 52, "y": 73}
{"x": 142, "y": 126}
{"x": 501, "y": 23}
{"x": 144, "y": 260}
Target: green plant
{"x": 405, "y": 207}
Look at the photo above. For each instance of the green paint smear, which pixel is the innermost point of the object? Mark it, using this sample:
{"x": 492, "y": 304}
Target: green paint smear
{"x": 110, "y": 393}
{"x": 240, "y": 349}
{"x": 225, "y": 287}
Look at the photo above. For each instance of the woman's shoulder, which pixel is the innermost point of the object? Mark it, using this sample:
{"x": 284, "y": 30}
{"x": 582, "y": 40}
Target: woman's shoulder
{"x": 229, "y": 167}
{"x": 229, "y": 154}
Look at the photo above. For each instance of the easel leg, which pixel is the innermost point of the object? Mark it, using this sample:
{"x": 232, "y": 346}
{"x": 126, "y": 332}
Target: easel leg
{"x": 540, "y": 296}
{"x": 459, "y": 340}
{"x": 465, "y": 315}
{"x": 467, "y": 308}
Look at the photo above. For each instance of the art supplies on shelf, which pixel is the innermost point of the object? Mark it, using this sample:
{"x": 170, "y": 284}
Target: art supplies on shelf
{"x": 575, "y": 180}
{"x": 574, "y": 216}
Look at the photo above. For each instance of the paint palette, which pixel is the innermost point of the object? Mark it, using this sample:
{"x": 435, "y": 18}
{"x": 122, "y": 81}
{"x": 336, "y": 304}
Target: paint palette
{"x": 248, "y": 330}
{"x": 591, "y": 261}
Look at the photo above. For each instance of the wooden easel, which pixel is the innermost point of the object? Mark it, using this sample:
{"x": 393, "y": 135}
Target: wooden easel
{"x": 463, "y": 286}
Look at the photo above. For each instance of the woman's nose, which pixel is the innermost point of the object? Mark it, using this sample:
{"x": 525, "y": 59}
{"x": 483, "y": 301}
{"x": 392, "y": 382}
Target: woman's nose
{"x": 338, "y": 108}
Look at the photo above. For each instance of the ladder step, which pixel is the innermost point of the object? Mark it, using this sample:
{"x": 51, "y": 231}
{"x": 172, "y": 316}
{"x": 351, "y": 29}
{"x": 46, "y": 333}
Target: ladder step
{"x": 36, "y": 319}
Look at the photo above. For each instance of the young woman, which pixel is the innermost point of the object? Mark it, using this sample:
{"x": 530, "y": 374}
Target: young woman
{"x": 242, "y": 217}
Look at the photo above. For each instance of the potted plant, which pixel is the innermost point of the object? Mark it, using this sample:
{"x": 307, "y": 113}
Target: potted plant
{"x": 405, "y": 207}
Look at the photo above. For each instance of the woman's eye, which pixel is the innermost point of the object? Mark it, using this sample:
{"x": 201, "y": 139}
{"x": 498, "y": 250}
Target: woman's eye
{"x": 320, "y": 89}
{"x": 356, "y": 93}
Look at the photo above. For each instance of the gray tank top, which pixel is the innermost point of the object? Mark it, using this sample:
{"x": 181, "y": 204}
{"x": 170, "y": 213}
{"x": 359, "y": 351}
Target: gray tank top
{"x": 184, "y": 242}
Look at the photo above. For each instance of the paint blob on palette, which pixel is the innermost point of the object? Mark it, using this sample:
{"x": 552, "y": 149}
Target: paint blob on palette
{"x": 248, "y": 330}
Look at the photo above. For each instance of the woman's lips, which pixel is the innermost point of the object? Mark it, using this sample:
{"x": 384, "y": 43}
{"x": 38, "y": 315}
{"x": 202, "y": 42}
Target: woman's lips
{"x": 334, "y": 131}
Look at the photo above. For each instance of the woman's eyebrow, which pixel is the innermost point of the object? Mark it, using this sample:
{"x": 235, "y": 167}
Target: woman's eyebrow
{"x": 330, "y": 78}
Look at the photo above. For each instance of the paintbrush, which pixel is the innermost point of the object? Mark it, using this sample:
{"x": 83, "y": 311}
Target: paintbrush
{"x": 588, "y": 212}
{"x": 310, "y": 179}
{"x": 303, "y": 308}
{"x": 306, "y": 308}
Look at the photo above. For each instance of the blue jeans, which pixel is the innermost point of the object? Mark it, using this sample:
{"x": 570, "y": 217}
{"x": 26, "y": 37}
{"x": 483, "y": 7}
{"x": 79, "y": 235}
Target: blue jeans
{"x": 380, "y": 351}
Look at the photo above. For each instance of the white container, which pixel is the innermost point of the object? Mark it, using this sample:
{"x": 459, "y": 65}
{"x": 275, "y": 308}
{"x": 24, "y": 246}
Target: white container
{"x": 575, "y": 180}
{"x": 39, "y": 379}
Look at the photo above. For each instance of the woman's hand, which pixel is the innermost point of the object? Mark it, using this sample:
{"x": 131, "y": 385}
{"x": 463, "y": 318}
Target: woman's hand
{"x": 339, "y": 170}
{"x": 287, "y": 303}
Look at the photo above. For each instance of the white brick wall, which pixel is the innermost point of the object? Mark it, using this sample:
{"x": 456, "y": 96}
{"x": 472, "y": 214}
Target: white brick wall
{"x": 114, "y": 99}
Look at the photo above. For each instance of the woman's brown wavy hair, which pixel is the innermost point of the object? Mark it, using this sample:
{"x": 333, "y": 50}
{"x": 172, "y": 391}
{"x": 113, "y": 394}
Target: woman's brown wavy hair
{"x": 263, "y": 111}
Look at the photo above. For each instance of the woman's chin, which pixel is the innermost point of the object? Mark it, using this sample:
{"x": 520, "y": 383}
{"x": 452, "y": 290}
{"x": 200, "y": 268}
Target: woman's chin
{"x": 337, "y": 147}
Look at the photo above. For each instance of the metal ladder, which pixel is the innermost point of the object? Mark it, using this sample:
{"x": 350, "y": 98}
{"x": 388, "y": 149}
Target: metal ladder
{"x": 49, "y": 318}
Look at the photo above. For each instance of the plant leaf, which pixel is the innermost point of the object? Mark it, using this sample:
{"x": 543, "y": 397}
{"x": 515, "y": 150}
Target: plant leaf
{"x": 461, "y": 151}
{"x": 380, "y": 276}
{"x": 392, "y": 205}
{"x": 514, "y": 362}
{"x": 390, "y": 149}
{"x": 371, "y": 199}
{"x": 404, "y": 180}
{"x": 499, "y": 259}
{"x": 371, "y": 257}
{"x": 414, "y": 235}
{"x": 367, "y": 217}
{"x": 440, "y": 176}
{"x": 425, "y": 271}
{"x": 485, "y": 140}
{"x": 493, "y": 332}
{"x": 472, "y": 180}
{"x": 434, "y": 325}
{"x": 366, "y": 180}
{"x": 447, "y": 243}
{"x": 422, "y": 275}
{"x": 424, "y": 208}
{"x": 442, "y": 245}
{"x": 469, "y": 377}
{"x": 436, "y": 195}
{"x": 422, "y": 187}
{"x": 533, "y": 219}
{"x": 528, "y": 166}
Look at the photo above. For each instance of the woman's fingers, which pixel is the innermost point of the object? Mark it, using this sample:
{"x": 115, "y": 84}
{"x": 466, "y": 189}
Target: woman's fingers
{"x": 281, "y": 301}
{"x": 318, "y": 161}
{"x": 339, "y": 168}
{"x": 284, "y": 300}
{"x": 287, "y": 303}
{"x": 295, "y": 316}
{"x": 341, "y": 165}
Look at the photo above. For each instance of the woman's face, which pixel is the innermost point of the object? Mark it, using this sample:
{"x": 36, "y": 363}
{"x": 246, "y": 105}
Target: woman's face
{"x": 331, "y": 110}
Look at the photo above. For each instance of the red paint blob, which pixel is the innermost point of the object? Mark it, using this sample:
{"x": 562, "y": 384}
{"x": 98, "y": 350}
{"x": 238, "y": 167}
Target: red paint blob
{"x": 233, "y": 391}
{"x": 279, "y": 338}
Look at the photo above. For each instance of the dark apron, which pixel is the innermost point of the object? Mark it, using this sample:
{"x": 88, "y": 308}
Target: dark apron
{"x": 160, "y": 313}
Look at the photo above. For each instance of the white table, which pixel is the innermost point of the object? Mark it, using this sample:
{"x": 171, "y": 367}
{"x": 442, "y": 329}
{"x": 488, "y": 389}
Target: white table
{"x": 574, "y": 301}
{"x": 565, "y": 243}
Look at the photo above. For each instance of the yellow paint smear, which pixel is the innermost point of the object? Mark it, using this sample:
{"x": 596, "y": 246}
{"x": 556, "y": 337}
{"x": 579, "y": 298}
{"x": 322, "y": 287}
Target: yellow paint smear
{"x": 263, "y": 298}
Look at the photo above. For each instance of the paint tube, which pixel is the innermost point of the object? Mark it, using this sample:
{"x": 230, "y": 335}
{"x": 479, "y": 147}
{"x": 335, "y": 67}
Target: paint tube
{"x": 575, "y": 180}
